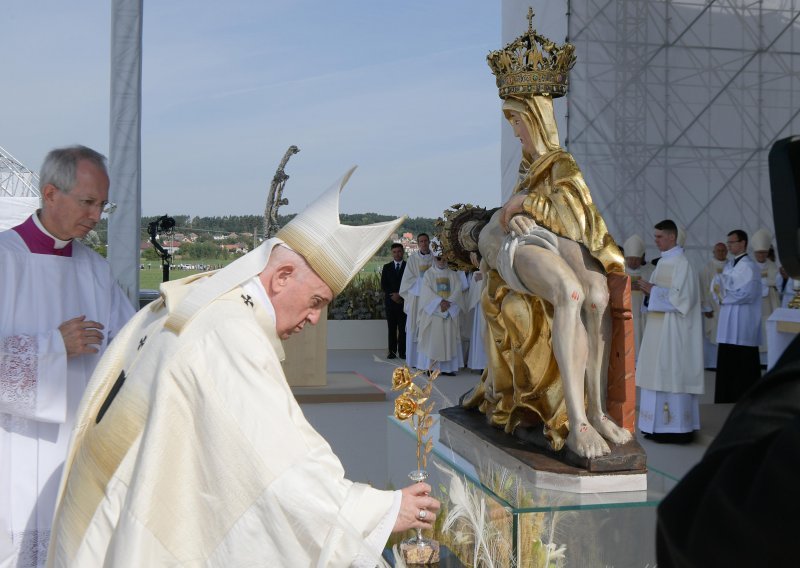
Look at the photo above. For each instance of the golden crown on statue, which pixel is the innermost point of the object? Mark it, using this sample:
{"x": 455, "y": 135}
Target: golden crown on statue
{"x": 532, "y": 65}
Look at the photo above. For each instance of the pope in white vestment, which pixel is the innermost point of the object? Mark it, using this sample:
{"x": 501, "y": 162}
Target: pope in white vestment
{"x": 670, "y": 366}
{"x": 410, "y": 290}
{"x": 190, "y": 449}
{"x": 45, "y": 282}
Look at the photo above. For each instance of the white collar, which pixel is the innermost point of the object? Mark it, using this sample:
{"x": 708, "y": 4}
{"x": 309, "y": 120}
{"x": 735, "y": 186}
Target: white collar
{"x": 58, "y": 243}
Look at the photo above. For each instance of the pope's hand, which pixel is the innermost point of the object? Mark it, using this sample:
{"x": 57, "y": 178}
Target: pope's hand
{"x": 81, "y": 336}
{"x": 416, "y": 498}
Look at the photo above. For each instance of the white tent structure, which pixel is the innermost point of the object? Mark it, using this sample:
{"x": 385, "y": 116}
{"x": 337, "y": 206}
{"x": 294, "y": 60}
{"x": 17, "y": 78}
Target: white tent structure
{"x": 19, "y": 191}
{"x": 673, "y": 108}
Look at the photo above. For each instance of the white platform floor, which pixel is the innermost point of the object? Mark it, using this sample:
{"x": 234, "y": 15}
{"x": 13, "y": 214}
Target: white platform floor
{"x": 357, "y": 431}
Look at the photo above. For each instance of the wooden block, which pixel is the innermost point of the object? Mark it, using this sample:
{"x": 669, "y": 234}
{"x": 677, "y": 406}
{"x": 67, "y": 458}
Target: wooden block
{"x": 621, "y": 397}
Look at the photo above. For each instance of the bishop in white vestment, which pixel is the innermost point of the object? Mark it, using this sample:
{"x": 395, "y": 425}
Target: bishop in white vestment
{"x": 710, "y": 305}
{"x": 638, "y": 270}
{"x": 670, "y": 369}
{"x": 190, "y": 449}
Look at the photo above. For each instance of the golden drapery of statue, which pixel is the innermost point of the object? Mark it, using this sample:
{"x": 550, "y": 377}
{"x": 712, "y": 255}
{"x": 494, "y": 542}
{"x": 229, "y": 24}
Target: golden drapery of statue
{"x": 547, "y": 253}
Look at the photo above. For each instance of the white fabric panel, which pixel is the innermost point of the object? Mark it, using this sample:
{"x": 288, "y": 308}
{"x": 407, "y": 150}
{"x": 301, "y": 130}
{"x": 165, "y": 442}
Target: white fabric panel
{"x": 125, "y": 144}
{"x": 14, "y": 210}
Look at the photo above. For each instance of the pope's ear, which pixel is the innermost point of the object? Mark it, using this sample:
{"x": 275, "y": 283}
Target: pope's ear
{"x": 280, "y": 277}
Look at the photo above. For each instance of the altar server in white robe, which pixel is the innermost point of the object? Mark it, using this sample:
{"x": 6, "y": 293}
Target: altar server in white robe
{"x": 709, "y": 303}
{"x": 190, "y": 449}
{"x": 638, "y": 270}
{"x": 739, "y": 329}
{"x": 770, "y": 299}
{"x": 440, "y": 303}
{"x": 60, "y": 308}
{"x": 410, "y": 290}
{"x": 670, "y": 369}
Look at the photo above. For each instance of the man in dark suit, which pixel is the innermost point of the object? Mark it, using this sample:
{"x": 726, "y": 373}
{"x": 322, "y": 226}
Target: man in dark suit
{"x": 391, "y": 275}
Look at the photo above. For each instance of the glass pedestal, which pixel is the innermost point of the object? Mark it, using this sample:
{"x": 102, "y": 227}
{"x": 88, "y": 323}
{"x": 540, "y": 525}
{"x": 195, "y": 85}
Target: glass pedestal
{"x": 495, "y": 513}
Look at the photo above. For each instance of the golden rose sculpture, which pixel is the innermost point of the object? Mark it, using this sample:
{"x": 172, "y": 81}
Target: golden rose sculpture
{"x": 415, "y": 406}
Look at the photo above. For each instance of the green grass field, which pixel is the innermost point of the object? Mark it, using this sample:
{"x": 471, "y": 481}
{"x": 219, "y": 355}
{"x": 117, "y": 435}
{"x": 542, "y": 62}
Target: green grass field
{"x": 151, "y": 276}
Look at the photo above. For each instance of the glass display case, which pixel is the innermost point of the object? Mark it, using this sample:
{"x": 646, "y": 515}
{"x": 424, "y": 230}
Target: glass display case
{"x": 493, "y": 513}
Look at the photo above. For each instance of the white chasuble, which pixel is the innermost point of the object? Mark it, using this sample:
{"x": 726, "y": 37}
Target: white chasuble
{"x": 40, "y": 388}
{"x": 439, "y": 332}
{"x": 191, "y": 450}
{"x": 671, "y": 359}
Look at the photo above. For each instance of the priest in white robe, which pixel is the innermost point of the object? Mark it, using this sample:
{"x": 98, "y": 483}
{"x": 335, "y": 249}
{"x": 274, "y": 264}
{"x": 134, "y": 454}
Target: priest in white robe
{"x": 638, "y": 269}
{"x": 709, "y": 303}
{"x": 440, "y": 303}
{"x": 190, "y": 449}
{"x": 770, "y": 299}
{"x": 60, "y": 308}
{"x": 410, "y": 290}
{"x": 739, "y": 329}
{"x": 670, "y": 369}
{"x": 477, "y": 350}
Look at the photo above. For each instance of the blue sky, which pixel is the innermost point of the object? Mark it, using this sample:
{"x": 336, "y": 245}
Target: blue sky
{"x": 399, "y": 88}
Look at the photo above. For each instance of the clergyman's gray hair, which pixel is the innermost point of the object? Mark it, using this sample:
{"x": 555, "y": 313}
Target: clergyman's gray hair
{"x": 60, "y": 166}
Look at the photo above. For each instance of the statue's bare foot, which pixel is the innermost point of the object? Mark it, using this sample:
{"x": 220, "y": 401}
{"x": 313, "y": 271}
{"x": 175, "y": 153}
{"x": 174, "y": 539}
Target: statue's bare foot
{"x": 609, "y": 430}
{"x": 586, "y": 442}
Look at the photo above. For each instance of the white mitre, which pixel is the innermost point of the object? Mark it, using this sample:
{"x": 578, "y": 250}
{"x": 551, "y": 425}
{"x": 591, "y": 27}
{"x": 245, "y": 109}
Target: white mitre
{"x": 634, "y": 246}
{"x": 336, "y": 252}
{"x": 681, "y": 240}
{"x": 761, "y": 240}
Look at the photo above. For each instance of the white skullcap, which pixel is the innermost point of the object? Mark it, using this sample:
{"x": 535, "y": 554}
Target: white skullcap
{"x": 436, "y": 247}
{"x": 634, "y": 246}
{"x": 336, "y": 252}
{"x": 761, "y": 240}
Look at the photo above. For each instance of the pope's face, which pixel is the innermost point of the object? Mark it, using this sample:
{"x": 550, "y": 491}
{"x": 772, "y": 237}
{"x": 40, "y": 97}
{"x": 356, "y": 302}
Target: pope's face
{"x": 761, "y": 255}
{"x": 720, "y": 251}
{"x": 521, "y": 132}
{"x": 301, "y": 301}
{"x": 665, "y": 240}
{"x": 72, "y": 214}
{"x": 424, "y": 244}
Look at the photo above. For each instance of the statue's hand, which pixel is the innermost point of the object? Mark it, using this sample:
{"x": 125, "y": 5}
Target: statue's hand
{"x": 473, "y": 258}
{"x": 521, "y": 225}
{"x": 512, "y": 207}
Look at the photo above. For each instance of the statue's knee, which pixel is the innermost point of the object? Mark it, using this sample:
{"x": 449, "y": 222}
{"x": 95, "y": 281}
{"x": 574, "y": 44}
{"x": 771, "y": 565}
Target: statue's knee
{"x": 597, "y": 298}
{"x": 570, "y": 294}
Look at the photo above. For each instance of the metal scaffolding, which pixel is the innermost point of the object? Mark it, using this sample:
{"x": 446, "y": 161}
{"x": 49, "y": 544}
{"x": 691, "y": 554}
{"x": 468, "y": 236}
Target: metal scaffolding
{"x": 674, "y": 105}
{"x": 15, "y": 179}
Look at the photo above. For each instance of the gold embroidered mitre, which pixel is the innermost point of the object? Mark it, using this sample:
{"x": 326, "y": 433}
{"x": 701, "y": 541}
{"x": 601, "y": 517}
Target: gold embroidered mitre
{"x": 532, "y": 65}
{"x": 336, "y": 252}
